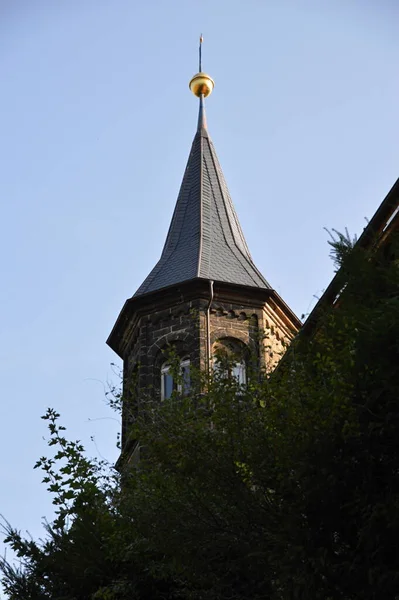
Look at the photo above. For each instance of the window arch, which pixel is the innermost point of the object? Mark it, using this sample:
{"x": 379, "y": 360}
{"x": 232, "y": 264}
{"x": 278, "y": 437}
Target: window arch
{"x": 172, "y": 382}
{"x": 230, "y": 357}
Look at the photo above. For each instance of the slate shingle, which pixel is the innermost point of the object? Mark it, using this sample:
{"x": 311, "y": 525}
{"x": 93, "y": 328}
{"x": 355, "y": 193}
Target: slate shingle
{"x": 205, "y": 238}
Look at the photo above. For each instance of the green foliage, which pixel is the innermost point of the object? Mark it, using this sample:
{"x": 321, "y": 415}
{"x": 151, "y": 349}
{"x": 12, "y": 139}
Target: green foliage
{"x": 87, "y": 552}
{"x": 285, "y": 489}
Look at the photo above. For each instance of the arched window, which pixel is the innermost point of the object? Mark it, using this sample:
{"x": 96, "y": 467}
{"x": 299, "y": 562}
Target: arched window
{"x": 230, "y": 359}
{"x": 169, "y": 383}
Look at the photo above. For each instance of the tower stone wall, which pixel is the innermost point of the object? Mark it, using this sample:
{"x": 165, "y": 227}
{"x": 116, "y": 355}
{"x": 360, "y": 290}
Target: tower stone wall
{"x": 178, "y": 318}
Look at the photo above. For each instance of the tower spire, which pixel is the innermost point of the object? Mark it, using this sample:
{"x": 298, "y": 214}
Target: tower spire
{"x": 205, "y": 239}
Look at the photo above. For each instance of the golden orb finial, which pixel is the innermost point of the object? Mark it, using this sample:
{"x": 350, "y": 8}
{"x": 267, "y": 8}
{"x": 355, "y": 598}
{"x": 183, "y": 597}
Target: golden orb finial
{"x": 201, "y": 84}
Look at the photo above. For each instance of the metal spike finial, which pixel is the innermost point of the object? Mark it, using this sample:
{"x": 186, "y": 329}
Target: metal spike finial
{"x": 201, "y": 84}
{"x": 200, "y": 52}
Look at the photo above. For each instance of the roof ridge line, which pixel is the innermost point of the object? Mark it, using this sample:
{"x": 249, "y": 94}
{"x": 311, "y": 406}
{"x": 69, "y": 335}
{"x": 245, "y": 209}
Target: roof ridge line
{"x": 228, "y": 201}
{"x": 218, "y": 170}
{"x": 243, "y": 258}
{"x": 201, "y": 186}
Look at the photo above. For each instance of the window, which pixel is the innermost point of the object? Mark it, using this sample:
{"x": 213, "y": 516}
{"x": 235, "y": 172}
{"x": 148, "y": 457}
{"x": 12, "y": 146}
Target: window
{"x": 229, "y": 360}
{"x": 239, "y": 372}
{"x": 185, "y": 377}
{"x": 168, "y": 383}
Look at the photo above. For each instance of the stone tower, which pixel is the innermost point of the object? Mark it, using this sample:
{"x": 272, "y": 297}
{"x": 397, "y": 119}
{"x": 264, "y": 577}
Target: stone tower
{"x": 205, "y": 291}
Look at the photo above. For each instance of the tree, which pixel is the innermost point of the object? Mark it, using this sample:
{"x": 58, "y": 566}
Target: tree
{"x": 286, "y": 488}
{"x": 88, "y": 551}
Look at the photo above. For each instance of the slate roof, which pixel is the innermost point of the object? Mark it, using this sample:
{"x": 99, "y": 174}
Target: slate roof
{"x": 205, "y": 239}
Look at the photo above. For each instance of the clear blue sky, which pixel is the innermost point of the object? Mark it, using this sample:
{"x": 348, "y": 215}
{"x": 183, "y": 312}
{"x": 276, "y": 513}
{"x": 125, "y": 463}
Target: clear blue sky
{"x": 96, "y": 126}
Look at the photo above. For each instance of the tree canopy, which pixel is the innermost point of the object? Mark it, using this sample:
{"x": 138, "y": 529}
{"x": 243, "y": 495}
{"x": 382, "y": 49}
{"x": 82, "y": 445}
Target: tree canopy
{"x": 286, "y": 488}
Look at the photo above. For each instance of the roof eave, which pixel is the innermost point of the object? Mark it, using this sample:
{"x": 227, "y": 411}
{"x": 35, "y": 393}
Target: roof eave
{"x": 201, "y": 286}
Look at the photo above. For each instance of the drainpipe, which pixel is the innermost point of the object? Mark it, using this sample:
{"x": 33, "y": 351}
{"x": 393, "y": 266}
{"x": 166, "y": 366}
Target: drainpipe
{"x": 208, "y": 328}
